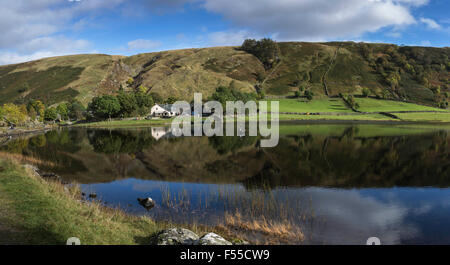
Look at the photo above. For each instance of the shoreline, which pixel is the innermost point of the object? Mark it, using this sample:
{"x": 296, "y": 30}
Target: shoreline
{"x": 118, "y": 124}
{"x": 30, "y": 202}
{"x": 23, "y": 132}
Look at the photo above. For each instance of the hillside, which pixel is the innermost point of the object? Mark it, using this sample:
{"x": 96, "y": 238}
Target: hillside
{"x": 417, "y": 74}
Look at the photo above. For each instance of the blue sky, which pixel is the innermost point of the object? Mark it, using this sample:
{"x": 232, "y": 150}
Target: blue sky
{"x": 32, "y": 29}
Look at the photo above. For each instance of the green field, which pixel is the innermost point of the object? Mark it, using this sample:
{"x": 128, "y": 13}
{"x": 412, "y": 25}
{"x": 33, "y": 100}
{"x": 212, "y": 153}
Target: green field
{"x": 317, "y": 105}
{"x": 425, "y": 117}
{"x": 365, "y": 117}
{"x": 378, "y": 105}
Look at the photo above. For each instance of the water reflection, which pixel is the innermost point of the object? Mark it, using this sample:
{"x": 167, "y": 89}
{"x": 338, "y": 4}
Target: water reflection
{"x": 338, "y": 184}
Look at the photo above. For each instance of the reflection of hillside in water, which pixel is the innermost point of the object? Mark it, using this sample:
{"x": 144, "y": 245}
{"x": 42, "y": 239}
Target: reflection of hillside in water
{"x": 347, "y": 160}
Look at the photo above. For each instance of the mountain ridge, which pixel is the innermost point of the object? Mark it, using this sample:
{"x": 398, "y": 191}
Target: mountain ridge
{"x": 412, "y": 73}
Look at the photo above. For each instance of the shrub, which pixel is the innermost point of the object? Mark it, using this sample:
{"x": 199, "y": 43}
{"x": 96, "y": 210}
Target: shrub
{"x": 365, "y": 92}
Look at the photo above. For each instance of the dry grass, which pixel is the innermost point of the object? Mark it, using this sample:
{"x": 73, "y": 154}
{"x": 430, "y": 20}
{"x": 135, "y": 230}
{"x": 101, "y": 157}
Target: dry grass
{"x": 257, "y": 216}
{"x": 269, "y": 231}
{"x": 22, "y": 159}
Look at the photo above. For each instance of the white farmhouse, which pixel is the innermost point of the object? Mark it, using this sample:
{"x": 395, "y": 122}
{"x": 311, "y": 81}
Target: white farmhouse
{"x": 164, "y": 111}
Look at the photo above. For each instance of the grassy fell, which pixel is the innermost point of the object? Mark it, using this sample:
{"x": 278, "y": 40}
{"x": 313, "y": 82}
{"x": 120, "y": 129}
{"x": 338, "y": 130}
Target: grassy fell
{"x": 180, "y": 73}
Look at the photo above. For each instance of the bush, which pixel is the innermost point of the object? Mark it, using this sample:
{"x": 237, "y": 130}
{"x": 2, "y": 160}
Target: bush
{"x": 365, "y": 92}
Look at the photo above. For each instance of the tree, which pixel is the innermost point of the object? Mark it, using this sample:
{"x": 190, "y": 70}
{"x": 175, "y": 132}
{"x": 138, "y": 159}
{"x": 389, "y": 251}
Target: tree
{"x": 63, "y": 111}
{"x": 350, "y": 99}
{"x": 13, "y": 114}
{"x": 144, "y": 103}
{"x": 223, "y": 94}
{"x": 76, "y": 110}
{"x": 142, "y": 89}
{"x": 309, "y": 95}
{"x": 266, "y": 50}
{"x": 50, "y": 114}
{"x": 171, "y": 100}
{"x": 261, "y": 95}
{"x": 365, "y": 92}
{"x": 32, "y": 114}
{"x": 128, "y": 104}
{"x": 249, "y": 45}
{"x": 106, "y": 106}
{"x": 38, "y": 107}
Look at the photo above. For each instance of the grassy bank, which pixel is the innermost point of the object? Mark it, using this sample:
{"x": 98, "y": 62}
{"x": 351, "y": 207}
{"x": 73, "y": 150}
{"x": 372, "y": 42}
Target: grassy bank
{"x": 34, "y": 211}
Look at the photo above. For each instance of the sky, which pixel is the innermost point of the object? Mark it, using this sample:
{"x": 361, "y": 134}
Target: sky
{"x": 33, "y": 29}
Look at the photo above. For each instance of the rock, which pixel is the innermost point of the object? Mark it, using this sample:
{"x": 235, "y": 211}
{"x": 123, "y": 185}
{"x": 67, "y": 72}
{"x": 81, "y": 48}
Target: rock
{"x": 147, "y": 203}
{"x": 213, "y": 239}
{"x": 176, "y": 236}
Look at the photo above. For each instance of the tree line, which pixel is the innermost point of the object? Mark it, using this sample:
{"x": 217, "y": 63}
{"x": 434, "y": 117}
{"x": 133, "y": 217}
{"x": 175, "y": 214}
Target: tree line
{"x": 36, "y": 111}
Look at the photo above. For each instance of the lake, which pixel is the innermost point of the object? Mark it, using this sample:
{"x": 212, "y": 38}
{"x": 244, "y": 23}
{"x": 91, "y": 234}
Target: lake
{"x": 323, "y": 183}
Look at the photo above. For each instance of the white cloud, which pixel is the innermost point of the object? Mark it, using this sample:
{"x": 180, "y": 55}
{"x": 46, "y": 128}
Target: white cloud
{"x": 431, "y": 24}
{"x": 315, "y": 19}
{"x": 29, "y": 27}
{"x": 229, "y": 38}
{"x": 45, "y": 47}
{"x": 141, "y": 44}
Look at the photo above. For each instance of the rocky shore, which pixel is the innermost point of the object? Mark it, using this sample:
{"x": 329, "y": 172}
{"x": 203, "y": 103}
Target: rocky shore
{"x": 181, "y": 236}
{"x": 172, "y": 236}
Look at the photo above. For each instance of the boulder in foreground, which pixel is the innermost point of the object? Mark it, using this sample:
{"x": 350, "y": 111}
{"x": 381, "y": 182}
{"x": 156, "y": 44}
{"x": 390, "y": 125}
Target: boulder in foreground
{"x": 213, "y": 239}
{"x": 181, "y": 236}
{"x": 176, "y": 236}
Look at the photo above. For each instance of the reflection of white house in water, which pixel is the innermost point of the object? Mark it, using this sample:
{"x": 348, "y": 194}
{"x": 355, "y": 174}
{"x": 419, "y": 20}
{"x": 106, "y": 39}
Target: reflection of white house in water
{"x": 163, "y": 111}
{"x": 159, "y": 132}
{"x": 163, "y": 132}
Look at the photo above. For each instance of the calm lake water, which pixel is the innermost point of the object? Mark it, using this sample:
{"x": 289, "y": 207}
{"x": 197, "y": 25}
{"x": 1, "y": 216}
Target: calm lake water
{"x": 336, "y": 184}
